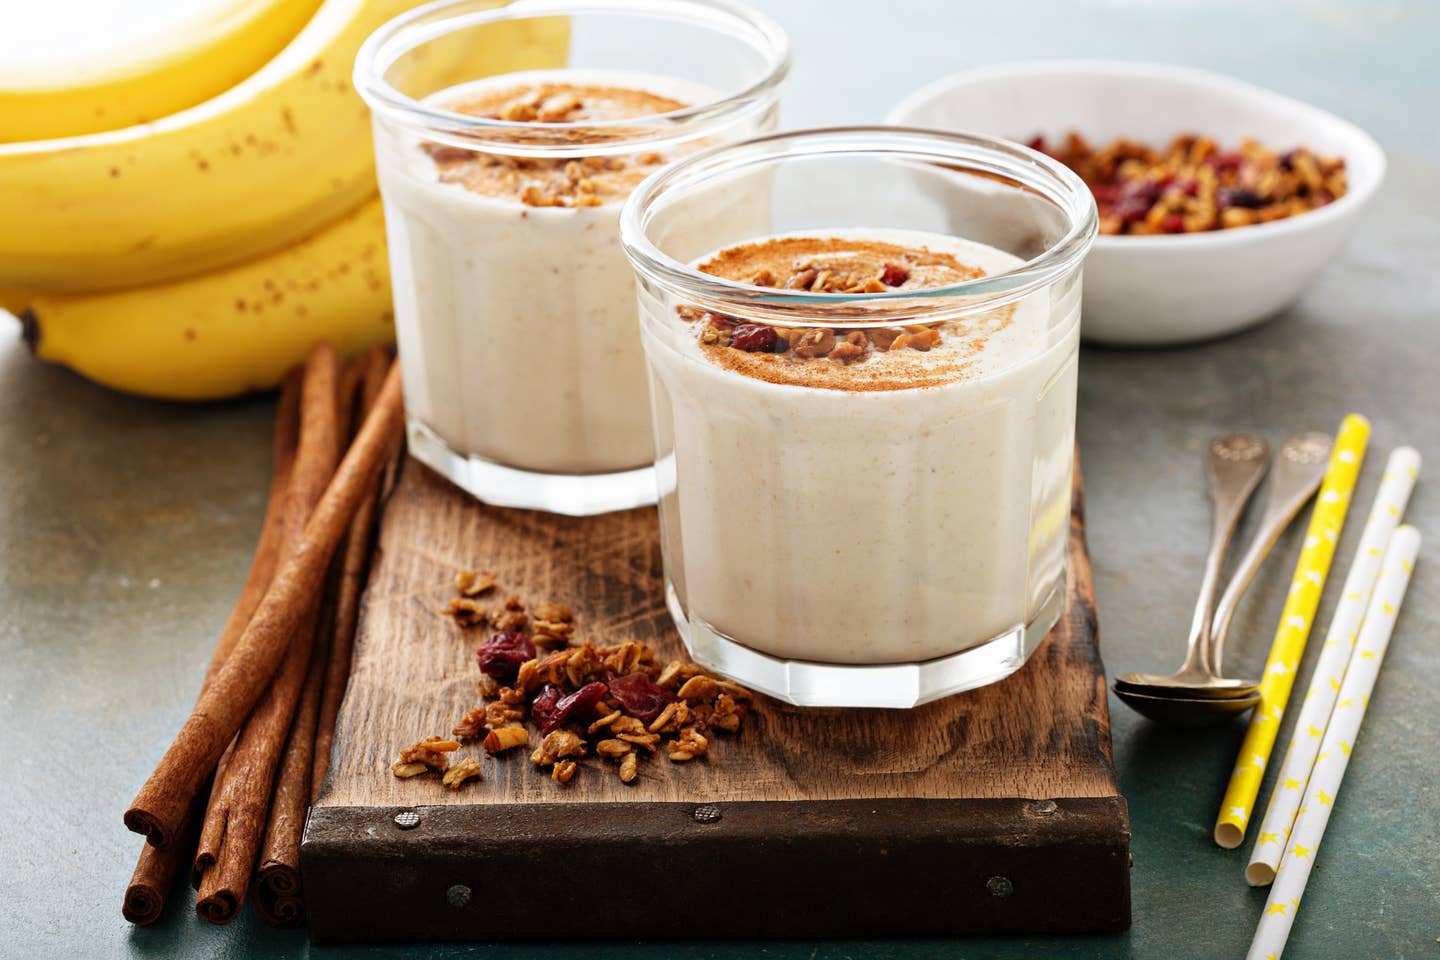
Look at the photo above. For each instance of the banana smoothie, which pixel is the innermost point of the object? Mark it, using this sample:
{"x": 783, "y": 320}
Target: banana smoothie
{"x": 515, "y": 307}
{"x": 863, "y": 495}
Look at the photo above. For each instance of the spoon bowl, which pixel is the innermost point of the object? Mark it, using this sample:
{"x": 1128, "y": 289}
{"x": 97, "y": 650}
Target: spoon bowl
{"x": 1180, "y": 711}
{"x": 1218, "y": 688}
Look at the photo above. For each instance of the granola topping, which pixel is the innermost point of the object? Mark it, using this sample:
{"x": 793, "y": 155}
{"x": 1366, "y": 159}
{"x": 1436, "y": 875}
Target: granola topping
{"x": 846, "y": 358}
{"x": 545, "y": 182}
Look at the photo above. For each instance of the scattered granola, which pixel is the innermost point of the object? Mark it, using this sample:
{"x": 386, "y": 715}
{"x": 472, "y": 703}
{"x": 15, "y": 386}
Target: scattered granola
{"x": 616, "y": 702}
{"x": 505, "y": 738}
{"x": 1193, "y": 185}
{"x": 467, "y": 612}
{"x": 432, "y": 753}
{"x": 471, "y": 583}
{"x": 690, "y": 744}
{"x": 471, "y": 725}
{"x": 462, "y": 771}
{"x": 552, "y": 623}
{"x": 513, "y": 618}
{"x": 557, "y": 745}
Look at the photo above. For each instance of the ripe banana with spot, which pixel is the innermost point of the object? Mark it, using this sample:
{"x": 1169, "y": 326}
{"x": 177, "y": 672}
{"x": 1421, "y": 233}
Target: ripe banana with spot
{"x": 274, "y": 159}
{"x": 231, "y": 331}
{"x": 205, "y": 54}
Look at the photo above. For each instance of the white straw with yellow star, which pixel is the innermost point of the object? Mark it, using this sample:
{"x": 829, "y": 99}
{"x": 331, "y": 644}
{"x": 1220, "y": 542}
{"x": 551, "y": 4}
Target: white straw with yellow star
{"x": 1340, "y": 736}
{"x": 1395, "y": 486}
{"x": 1289, "y": 643}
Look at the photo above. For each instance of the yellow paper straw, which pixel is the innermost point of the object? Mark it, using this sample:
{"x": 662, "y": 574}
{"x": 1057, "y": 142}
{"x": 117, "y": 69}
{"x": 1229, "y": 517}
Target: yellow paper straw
{"x": 1289, "y": 644}
{"x": 1401, "y": 472}
{"x": 1340, "y": 735}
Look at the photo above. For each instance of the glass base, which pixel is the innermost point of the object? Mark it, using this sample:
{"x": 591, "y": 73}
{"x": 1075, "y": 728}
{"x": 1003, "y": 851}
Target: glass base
{"x": 896, "y": 685}
{"x": 574, "y": 495}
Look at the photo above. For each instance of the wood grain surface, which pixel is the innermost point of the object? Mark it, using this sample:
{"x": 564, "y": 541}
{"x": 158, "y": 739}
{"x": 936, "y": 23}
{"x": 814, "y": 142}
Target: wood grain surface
{"x": 1041, "y": 733}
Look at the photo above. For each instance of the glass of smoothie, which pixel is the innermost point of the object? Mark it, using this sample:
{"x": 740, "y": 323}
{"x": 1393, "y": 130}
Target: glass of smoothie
{"x": 506, "y": 140}
{"x": 864, "y": 405}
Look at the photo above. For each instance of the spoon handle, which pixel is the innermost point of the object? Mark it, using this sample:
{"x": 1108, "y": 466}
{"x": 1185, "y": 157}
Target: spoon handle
{"x": 1299, "y": 468}
{"x": 1234, "y": 465}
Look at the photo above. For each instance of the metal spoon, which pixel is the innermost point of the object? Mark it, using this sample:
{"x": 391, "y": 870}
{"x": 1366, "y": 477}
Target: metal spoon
{"x": 1234, "y": 465}
{"x": 1299, "y": 469}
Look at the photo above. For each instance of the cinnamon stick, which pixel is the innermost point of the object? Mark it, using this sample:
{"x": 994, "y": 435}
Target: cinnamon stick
{"x": 279, "y": 894}
{"x": 235, "y": 821}
{"x": 159, "y": 808}
{"x": 156, "y": 868}
{"x": 354, "y": 568}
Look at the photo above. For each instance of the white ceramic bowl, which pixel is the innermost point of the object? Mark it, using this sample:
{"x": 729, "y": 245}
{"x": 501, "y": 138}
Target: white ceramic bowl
{"x": 1182, "y": 287}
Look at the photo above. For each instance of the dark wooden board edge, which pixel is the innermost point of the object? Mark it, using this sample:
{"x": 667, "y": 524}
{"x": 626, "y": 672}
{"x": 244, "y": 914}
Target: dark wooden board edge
{"x": 677, "y": 870}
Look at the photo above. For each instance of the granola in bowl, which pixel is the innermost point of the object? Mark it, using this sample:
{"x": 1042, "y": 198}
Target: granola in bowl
{"x": 1194, "y": 185}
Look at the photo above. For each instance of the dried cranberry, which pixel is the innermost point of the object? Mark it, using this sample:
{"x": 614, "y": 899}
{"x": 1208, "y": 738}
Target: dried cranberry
{"x": 1037, "y": 143}
{"x": 754, "y": 337}
{"x": 1105, "y": 192}
{"x": 1131, "y": 211}
{"x": 1238, "y": 197}
{"x": 542, "y": 708}
{"x": 1140, "y": 191}
{"x": 501, "y": 655}
{"x": 1221, "y": 162}
{"x": 640, "y": 696}
{"x": 577, "y": 706}
{"x": 894, "y": 275}
{"x": 1173, "y": 223}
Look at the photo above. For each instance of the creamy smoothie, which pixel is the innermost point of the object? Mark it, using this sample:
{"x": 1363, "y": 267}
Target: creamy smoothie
{"x": 872, "y": 495}
{"x": 515, "y": 306}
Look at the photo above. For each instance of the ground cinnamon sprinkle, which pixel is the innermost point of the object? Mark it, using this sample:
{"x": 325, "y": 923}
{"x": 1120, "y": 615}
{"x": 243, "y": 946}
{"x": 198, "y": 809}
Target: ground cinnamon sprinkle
{"x": 843, "y": 357}
{"x": 543, "y": 182}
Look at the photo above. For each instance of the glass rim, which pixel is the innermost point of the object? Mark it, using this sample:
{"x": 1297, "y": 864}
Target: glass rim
{"x": 1008, "y": 161}
{"x": 414, "y": 28}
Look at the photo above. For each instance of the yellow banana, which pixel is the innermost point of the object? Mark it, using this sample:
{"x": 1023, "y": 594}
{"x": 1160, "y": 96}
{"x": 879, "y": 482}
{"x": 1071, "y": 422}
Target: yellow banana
{"x": 228, "y": 332}
{"x": 13, "y": 300}
{"x": 272, "y": 160}
{"x": 201, "y": 57}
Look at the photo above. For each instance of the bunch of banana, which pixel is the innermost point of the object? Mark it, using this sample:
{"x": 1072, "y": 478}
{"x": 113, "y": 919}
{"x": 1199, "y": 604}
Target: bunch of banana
{"x": 199, "y": 255}
{"x": 210, "y": 49}
{"x": 229, "y": 332}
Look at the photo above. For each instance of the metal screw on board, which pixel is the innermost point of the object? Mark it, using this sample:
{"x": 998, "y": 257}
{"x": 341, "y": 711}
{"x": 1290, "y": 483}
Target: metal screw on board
{"x": 706, "y": 813}
{"x": 407, "y": 819}
{"x": 458, "y": 895}
{"x": 1046, "y": 806}
{"x": 1000, "y": 887}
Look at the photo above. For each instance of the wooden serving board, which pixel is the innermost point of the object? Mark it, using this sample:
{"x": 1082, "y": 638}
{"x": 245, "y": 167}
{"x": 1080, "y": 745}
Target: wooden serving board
{"x": 991, "y": 811}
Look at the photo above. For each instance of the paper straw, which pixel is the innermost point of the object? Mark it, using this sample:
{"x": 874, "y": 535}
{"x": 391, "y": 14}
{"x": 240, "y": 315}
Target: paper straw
{"x": 1395, "y": 486}
{"x": 1289, "y": 643}
{"x": 1339, "y": 740}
